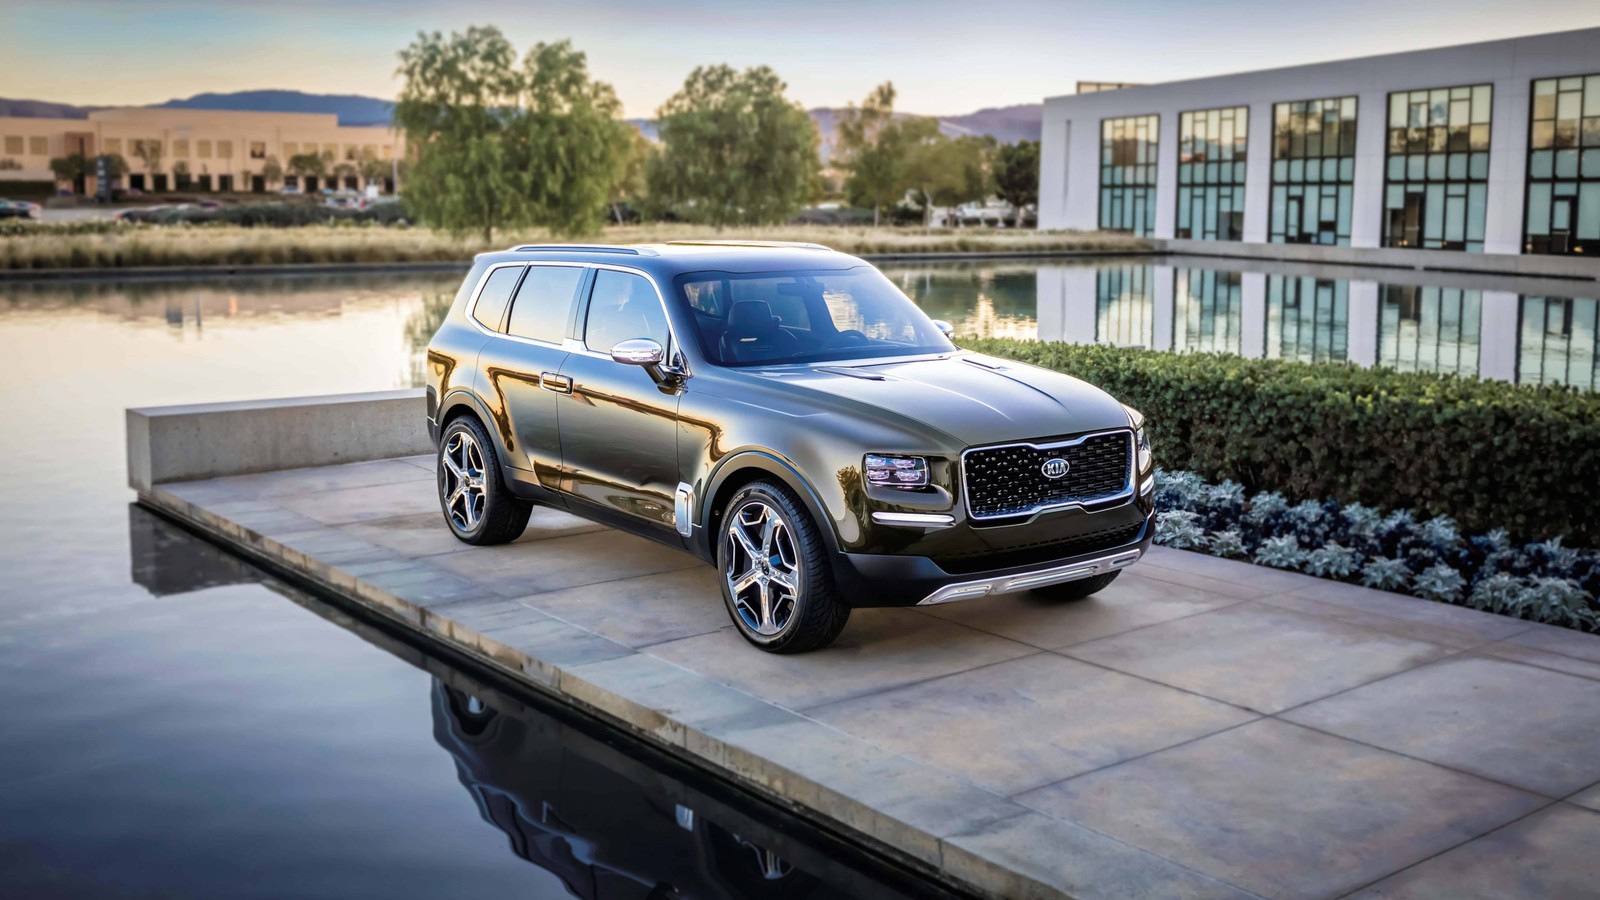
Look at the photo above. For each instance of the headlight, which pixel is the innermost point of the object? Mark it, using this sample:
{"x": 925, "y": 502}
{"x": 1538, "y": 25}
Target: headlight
{"x": 896, "y": 471}
{"x": 1142, "y": 441}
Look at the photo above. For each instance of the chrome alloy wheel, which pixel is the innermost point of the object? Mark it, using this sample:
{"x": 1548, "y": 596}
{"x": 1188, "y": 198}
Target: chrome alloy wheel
{"x": 761, "y": 568}
{"x": 464, "y": 483}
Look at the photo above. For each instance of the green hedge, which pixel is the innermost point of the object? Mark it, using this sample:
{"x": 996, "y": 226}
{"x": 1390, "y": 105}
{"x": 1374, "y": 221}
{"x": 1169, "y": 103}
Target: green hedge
{"x": 1490, "y": 454}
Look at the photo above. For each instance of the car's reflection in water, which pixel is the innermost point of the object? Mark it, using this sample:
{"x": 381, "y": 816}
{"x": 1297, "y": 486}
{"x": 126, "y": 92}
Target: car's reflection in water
{"x": 612, "y": 819}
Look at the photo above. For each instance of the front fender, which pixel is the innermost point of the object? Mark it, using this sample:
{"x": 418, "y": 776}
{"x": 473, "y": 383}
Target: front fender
{"x": 739, "y": 465}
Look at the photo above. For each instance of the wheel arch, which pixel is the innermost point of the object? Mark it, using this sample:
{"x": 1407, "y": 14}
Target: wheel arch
{"x": 739, "y": 469}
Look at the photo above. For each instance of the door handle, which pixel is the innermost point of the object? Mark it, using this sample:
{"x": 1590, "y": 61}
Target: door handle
{"x": 550, "y": 381}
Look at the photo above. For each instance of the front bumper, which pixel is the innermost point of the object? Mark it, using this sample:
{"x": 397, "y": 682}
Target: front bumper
{"x": 881, "y": 579}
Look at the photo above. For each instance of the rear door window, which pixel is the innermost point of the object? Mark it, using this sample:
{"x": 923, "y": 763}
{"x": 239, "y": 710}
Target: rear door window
{"x": 495, "y": 294}
{"x": 544, "y": 303}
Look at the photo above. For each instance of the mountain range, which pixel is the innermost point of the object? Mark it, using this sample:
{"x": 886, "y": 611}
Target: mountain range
{"x": 1005, "y": 123}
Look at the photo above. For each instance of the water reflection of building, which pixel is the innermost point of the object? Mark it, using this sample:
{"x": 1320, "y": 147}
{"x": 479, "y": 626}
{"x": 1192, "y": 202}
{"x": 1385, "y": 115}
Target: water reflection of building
{"x": 1514, "y": 329}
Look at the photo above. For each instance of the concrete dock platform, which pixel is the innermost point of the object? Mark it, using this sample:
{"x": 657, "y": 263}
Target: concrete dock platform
{"x": 1203, "y": 728}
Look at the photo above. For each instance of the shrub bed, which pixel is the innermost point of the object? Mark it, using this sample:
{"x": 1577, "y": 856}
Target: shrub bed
{"x": 1397, "y": 551}
{"x": 1486, "y": 453}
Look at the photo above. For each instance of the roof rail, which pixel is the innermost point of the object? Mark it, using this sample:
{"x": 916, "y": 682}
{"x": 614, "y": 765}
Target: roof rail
{"x": 583, "y": 248}
{"x": 713, "y": 242}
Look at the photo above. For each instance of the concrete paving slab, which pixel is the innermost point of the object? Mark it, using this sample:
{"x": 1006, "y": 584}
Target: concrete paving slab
{"x": 1258, "y": 656}
{"x": 1077, "y": 717}
{"x": 1132, "y": 601}
{"x": 516, "y": 570}
{"x": 1548, "y": 854}
{"x": 1477, "y": 714}
{"x": 1588, "y": 798}
{"x": 1556, "y": 662}
{"x": 1078, "y": 862}
{"x": 880, "y": 649}
{"x": 1480, "y": 625}
{"x": 363, "y": 504}
{"x": 648, "y": 609}
{"x": 1285, "y": 811}
{"x": 913, "y": 729}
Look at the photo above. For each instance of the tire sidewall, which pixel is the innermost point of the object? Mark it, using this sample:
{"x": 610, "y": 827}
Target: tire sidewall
{"x": 785, "y": 509}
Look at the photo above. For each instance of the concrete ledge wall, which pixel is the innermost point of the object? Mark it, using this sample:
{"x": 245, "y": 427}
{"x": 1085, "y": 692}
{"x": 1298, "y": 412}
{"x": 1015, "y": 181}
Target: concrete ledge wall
{"x": 1443, "y": 260}
{"x": 209, "y": 440}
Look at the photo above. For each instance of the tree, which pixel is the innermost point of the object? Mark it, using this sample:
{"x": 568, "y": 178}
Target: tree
{"x": 570, "y": 146}
{"x": 271, "y": 170}
{"x": 373, "y": 168}
{"x": 1016, "y": 175}
{"x": 149, "y": 153}
{"x": 69, "y": 168}
{"x": 631, "y": 187}
{"x": 735, "y": 150}
{"x": 307, "y": 165}
{"x": 870, "y": 147}
{"x": 942, "y": 171}
{"x": 498, "y": 146}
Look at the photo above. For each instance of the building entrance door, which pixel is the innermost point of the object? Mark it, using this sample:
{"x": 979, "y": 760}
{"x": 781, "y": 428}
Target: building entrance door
{"x": 1293, "y": 216}
{"x": 1561, "y": 215}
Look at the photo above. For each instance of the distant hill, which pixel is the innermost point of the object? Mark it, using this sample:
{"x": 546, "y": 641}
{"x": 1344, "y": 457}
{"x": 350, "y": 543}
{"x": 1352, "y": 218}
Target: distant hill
{"x": 1004, "y": 123}
{"x": 43, "y": 109}
{"x": 352, "y": 109}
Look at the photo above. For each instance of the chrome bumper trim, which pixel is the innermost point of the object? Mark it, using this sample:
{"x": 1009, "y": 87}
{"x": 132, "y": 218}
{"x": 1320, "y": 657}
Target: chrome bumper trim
{"x": 1024, "y": 581}
{"x": 925, "y": 520}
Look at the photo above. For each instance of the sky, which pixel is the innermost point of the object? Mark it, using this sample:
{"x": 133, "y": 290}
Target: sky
{"x": 944, "y": 57}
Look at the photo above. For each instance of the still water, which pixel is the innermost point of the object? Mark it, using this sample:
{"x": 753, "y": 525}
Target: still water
{"x": 174, "y": 723}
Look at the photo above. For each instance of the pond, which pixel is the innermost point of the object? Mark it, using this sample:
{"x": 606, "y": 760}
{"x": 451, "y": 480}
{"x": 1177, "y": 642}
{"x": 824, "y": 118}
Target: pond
{"x": 177, "y": 724}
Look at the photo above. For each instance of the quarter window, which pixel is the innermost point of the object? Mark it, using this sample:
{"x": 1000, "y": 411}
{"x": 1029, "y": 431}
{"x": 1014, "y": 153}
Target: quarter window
{"x": 622, "y": 307}
{"x": 544, "y": 302}
{"x": 496, "y": 293}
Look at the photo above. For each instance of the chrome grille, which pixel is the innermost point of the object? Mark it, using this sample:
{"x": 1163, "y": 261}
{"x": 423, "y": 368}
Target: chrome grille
{"x": 1007, "y": 481}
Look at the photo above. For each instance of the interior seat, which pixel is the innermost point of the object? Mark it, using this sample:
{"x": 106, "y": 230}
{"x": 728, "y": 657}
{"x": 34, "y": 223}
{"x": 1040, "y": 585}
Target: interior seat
{"x": 754, "y": 334}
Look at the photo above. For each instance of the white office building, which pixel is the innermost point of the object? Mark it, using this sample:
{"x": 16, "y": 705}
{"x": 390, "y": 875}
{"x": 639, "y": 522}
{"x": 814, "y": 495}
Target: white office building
{"x": 1489, "y": 148}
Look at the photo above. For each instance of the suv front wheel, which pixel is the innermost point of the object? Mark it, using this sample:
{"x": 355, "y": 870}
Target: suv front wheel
{"x": 776, "y": 581}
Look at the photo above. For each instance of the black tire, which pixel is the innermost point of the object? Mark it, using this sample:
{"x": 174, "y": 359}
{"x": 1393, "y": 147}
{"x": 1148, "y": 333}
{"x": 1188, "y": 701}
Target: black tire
{"x": 1068, "y": 591}
{"x": 500, "y": 515}
{"x": 806, "y": 614}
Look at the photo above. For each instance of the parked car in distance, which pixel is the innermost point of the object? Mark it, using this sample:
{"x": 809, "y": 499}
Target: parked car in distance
{"x": 785, "y": 413}
{"x": 345, "y": 201}
{"x": 20, "y": 209}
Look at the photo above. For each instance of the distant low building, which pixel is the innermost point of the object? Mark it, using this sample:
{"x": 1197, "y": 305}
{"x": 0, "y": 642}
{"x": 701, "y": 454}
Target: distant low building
{"x": 1481, "y": 148}
{"x": 206, "y": 151}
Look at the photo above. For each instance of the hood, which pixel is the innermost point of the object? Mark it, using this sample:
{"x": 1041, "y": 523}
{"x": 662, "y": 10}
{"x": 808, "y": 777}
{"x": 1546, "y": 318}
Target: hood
{"x": 970, "y": 398}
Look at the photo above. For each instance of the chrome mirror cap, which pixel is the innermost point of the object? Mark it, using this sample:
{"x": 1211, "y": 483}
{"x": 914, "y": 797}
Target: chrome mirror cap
{"x": 944, "y": 327}
{"x": 638, "y": 352}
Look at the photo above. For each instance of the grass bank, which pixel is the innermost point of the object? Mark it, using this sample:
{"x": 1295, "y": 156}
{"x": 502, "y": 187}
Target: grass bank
{"x": 104, "y": 245}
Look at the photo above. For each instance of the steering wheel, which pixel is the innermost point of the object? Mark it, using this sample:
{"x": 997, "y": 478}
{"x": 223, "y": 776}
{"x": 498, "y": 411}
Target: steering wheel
{"x": 853, "y": 338}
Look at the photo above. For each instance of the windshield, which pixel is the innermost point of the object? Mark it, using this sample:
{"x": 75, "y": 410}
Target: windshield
{"x": 817, "y": 316}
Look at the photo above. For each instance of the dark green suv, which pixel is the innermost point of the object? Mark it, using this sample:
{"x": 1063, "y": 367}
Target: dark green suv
{"x": 785, "y": 413}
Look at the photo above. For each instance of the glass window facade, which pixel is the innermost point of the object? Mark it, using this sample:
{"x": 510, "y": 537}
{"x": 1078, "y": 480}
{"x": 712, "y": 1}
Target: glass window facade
{"x": 1564, "y": 166}
{"x": 1436, "y": 177}
{"x": 1560, "y": 342}
{"x": 1429, "y": 329}
{"x": 1128, "y": 174}
{"x": 1207, "y": 310}
{"x": 1124, "y": 306}
{"x": 1212, "y": 147}
{"x": 1308, "y": 318}
{"x": 1313, "y": 169}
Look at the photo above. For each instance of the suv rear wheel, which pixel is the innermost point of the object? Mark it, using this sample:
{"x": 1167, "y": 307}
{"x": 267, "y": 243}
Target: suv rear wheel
{"x": 776, "y": 581}
{"x": 474, "y": 498}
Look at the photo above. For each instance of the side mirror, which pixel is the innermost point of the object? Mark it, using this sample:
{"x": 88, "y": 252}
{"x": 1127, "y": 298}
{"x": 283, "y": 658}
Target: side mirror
{"x": 638, "y": 352}
{"x": 648, "y": 354}
{"x": 945, "y": 328}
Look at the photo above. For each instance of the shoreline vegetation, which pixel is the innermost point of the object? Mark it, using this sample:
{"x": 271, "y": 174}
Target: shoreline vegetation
{"x": 44, "y": 247}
